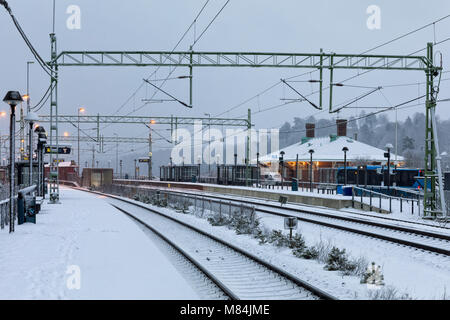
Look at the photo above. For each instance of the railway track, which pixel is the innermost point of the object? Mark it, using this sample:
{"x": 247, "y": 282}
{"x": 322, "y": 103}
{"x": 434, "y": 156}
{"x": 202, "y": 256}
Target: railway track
{"x": 433, "y": 242}
{"x": 237, "y": 273}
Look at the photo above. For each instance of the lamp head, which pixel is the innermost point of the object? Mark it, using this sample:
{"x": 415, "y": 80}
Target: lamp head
{"x": 32, "y": 117}
{"x": 13, "y": 98}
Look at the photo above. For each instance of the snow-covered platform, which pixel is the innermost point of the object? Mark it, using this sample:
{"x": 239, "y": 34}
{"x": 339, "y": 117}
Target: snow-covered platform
{"x": 85, "y": 241}
{"x": 303, "y": 197}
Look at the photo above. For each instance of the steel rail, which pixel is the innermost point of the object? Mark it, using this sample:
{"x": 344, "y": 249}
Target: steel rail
{"x": 345, "y": 228}
{"x": 282, "y": 273}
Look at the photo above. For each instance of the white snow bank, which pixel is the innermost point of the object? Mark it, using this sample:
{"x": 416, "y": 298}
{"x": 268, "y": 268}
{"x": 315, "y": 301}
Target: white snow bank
{"x": 116, "y": 259}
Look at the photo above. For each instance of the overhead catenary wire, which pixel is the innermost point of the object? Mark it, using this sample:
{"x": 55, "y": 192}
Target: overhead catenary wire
{"x": 167, "y": 57}
{"x": 38, "y": 58}
{"x": 210, "y": 23}
{"x": 364, "y": 52}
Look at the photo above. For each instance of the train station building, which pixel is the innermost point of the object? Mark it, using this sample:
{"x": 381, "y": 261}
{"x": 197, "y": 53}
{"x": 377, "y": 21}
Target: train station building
{"x": 327, "y": 155}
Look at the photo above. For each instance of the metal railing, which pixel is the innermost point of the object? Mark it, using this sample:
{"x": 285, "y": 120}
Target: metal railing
{"x": 380, "y": 200}
{"x": 5, "y": 206}
{"x": 186, "y": 203}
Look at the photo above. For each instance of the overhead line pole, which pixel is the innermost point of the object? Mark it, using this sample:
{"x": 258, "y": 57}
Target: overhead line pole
{"x": 320, "y": 61}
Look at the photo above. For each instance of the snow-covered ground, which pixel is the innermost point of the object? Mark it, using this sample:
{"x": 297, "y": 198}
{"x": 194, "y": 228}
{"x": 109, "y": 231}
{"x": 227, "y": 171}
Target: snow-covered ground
{"x": 419, "y": 274}
{"x": 85, "y": 236}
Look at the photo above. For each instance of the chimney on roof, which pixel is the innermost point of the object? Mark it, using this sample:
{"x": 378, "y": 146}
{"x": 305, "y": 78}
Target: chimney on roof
{"x": 310, "y": 130}
{"x": 341, "y": 127}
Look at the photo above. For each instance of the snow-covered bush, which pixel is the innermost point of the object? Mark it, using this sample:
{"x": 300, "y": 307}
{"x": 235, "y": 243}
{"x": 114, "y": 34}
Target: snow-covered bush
{"x": 218, "y": 220}
{"x": 297, "y": 244}
{"x": 278, "y": 239}
{"x": 338, "y": 261}
{"x": 309, "y": 253}
{"x": 245, "y": 223}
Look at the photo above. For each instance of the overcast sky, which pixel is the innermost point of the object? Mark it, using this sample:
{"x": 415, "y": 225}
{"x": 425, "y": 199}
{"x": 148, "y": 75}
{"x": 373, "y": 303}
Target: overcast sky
{"x": 245, "y": 25}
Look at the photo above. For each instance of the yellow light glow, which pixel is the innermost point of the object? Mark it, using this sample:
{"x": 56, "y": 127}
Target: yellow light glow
{"x": 25, "y": 97}
{"x": 66, "y": 134}
{"x": 2, "y": 113}
{"x": 82, "y": 110}
{"x": 152, "y": 121}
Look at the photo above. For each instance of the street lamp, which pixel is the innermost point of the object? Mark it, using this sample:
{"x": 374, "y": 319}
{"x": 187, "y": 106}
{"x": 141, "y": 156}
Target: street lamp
{"x": 209, "y": 143}
{"x": 150, "y": 150}
{"x": 388, "y": 156}
{"x": 281, "y": 159}
{"x": 345, "y": 149}
{"x": 80, "y": 110}
{"x": 257, "y": 170}
{"x": 42, "y": 140}
{"x": 27, "y": 96}
{"x": 311, "y": 151}
{"x": 13, "y": 98}
{"x": 235, "y": 169}
{"x": 31, "y": 118}
{"x": 117, "y": 154}
{"x": 199, "y": 162}
{"x": 218, "y": 163}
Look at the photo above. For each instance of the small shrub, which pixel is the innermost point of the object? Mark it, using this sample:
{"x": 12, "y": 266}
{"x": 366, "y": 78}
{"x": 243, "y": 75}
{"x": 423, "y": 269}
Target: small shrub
{"x": 297, "y": 242}
{"x": 262, "y": 235}
{"x": 218, "y": 220}
{"x": 338, "y": 261}
{"x": 309, "y": 253}
{"x": 278, "y": 239}
{"x": 245, "y": 223}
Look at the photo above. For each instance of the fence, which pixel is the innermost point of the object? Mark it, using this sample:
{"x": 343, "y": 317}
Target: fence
{"x": 384, "y": 202}
{"x": 4, "y": 205}
{"x": 186, "y": 203}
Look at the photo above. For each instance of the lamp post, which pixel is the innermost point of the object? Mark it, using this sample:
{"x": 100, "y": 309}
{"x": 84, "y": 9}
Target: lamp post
{"x": 199, "y": 162}
{"x": 31, "y": 118}
{"x": 80, "y": 110}
{"x": 42, "y": 140}
{"x": 209, "y": 143}
{"x": 235, "y": 168}
{"x": 388, "y": 155}
{"x": 217, "y": 163}
{"x": 117, "y": 154}
{"x": 257, "y": 170}
{"x": 311, "y": 151}
{"x": 2, "y": 115}
{"x": 345, "y": 149}
{"x": 27, "y": 96}
{"x": 150, "y": 151}
{"x": 12, "y": 98}
{"x": 281, "y": 159}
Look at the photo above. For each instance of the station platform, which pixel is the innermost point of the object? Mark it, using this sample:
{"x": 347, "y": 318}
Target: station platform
{"x": 84, "y": 248}
{"x": 315, "y": 199}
